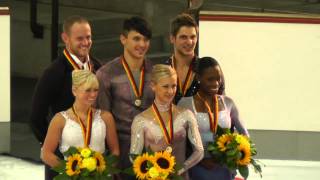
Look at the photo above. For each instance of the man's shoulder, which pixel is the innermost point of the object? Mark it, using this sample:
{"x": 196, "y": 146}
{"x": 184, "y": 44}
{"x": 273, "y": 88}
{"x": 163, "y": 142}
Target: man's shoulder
{"x": 111, "y": 64}
{"x": 57, "y": 68}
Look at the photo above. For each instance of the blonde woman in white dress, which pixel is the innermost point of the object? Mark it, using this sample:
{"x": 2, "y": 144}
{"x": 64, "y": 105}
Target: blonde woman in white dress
{"x": 67, "y": 127}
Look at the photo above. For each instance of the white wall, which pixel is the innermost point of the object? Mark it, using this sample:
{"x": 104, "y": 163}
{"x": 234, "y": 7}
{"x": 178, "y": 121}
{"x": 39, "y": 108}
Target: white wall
{"x": 4, "y": 68}
{"x": 272, "y": 71}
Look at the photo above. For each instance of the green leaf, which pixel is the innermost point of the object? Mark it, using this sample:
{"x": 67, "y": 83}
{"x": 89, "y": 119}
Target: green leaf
{"x": 62, "y": 177}
{"x": 177, "y": 167}
{"x": 244, "y": 171}
{"x": 133, "y": 156}
{"x": 72, "y": 150}
{"x": 232, "y": 152}
{"x": 257, "y": 167}
{"x": 85, "y": 172}
{"x": 61, "y": 167}
{"x": 114, "y": 170}
{"x": 211, "y": 147}
{"x": 111, "y": 159}
{"x": 129, "y": 171}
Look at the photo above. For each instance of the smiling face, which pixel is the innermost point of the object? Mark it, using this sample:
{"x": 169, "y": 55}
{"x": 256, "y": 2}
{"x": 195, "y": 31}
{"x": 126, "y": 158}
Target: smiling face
{"x": 185, "y": 41}
{"x": 210, "y": 80}
{"x": 86, "y": 94}
{"x": 78, "y": 40}
{"x": 135, "y": 44}
{"x": 165, "y": 89}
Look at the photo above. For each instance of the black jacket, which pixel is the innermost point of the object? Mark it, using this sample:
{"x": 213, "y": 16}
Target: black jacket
{"x": 53, "y": 94}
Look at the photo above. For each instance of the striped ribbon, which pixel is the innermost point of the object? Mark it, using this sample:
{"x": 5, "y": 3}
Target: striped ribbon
{"x": 183, "y": 88}
{"x": 213, "y": 117}
{"x": 72, "y": 61}
{"x": 138, "y": 92}
{"x": 168, "y": 135}
{"x": 86, "y": 131}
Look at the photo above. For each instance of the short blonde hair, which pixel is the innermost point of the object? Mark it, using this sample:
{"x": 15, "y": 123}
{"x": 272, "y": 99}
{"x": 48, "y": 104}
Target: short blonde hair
{"x": 84, "y": 77}
{"x": 161, "y": 71}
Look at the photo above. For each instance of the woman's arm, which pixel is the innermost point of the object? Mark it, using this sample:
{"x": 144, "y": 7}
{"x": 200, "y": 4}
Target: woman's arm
{"x": 234, "y": 114}
{"x": 195, "y": 139}
{"x": 137, "y": 136}
{"x": 52, "y": 140}
{"x": 111, "y": 134}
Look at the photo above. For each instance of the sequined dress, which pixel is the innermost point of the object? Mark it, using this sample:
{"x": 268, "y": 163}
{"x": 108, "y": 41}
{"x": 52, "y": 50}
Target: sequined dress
{"x": 146, "y": 133}
{"x": 228, "y": 114}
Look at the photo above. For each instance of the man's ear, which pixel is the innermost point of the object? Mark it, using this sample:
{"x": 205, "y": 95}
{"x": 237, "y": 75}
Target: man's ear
{"x": 172, "y": 39}
{"x": 65, "y": 37}
{"x": 152, "y": 85}
{"x": 123, "y": 39}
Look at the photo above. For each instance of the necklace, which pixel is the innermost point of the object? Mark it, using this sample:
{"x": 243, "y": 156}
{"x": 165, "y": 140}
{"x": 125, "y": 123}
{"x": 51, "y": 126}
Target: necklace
{"x": 162, "y": 107}
{"x": 213, "y": 116}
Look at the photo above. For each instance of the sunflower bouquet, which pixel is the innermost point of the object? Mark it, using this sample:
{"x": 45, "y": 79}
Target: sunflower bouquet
{"x": 84, "y": 163}
{"x": 156, "y": 166}
{"x": 234, "y": 151}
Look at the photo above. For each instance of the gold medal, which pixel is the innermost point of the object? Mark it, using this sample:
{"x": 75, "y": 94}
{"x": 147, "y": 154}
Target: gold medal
{"x": 137, "y": 92}
{"x": 169, "y": 149}
{"x": 137, "y": 102}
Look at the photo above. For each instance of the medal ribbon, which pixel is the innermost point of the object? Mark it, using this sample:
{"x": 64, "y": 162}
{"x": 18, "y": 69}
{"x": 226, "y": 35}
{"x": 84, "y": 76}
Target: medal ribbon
{"x": 86, "y": 131}
{"x": 213, "y": 117}
{"x": 72, "y": 61}
{"x": 138, "y": 93}
{"x": 168, "y": 135}
{"x": 183, "y": 88}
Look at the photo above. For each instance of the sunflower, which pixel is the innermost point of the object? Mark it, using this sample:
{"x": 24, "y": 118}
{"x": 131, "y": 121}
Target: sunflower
{"x": 223, "y": 141}
{"x": 73, "y": 165}
{"x": 140, "y": 166}
{"x": 101, "y": 164}
{"x": 241, "y": 139}
{"x": 244, "y": 149}
{"x": 164, "y": 162}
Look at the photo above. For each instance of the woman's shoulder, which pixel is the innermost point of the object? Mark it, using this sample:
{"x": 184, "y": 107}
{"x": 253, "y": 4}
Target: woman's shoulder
{"x": 105, "y": 115}
{"x": 58, "y": 120}
{"x": 144, "y": 115}
{"x": 185, "y": 101}
{"x": 228, "y": 100}
{"x": 182, "y": 111}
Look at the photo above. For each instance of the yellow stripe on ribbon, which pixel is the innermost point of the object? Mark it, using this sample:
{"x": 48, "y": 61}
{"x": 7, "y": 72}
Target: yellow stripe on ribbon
{"x": 168, "y": 135}
{"x": 183, "y": 87}
{"x": 213, "y": 117}
{"x": 73, "y": 62}
{"x": 138, "y": 93}
{"x": 86, "y": 131}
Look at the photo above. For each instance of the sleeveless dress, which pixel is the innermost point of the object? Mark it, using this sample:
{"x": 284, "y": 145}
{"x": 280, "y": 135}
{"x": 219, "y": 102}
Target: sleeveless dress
{"x": 72, "y": 133}
{"x": 226, "y": 117}
{"x": 146, "y": 133}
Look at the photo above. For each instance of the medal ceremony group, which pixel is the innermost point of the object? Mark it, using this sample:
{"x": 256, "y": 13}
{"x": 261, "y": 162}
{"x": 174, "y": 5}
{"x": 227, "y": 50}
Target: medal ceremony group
{"x": 127, "y": 104}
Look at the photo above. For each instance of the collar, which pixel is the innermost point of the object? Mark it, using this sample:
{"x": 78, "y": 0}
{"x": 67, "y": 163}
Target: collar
{"x": 85, "y": 65}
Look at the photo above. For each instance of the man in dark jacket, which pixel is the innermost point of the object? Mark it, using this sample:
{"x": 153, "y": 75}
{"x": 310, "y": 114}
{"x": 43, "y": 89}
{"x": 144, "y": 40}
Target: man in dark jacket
{"x": 53, "y": 91}
{"x": 184, "y": 37}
